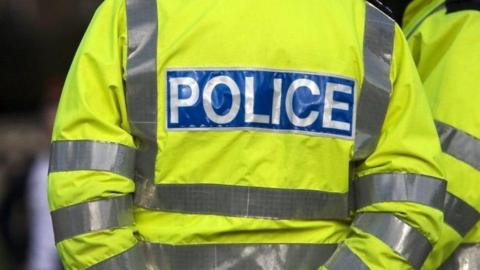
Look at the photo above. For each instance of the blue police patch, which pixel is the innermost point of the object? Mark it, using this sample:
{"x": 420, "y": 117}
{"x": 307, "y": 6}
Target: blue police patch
{"x": 270, "y": 100}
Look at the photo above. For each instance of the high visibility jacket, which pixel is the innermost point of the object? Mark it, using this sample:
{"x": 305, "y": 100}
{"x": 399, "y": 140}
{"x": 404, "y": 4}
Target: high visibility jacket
{"x": 445, "y": 41}
{"x": 221, "y": 135}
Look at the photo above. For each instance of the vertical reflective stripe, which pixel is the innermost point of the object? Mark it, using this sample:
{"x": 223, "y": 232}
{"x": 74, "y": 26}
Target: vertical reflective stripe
{"x": 92, "y": 155}
{"x": 345, "y": 259}
{"x": 132, "y": 259}
{"x": 237, "y": 256}
{"x": 92, "y": 216}
{"x": 399, "y": 187}
{"x": 376, "y": 90}
{"x": 459, "y": 144}
{"x": 401, "y": 237}
{"x": 459, "y": 215}
{"x": 466, "y": 257}
{"x": 141, "y": 81}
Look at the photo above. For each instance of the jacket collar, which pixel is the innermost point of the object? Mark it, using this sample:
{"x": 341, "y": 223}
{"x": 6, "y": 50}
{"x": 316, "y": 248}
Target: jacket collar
{"x": 417, "y": 11}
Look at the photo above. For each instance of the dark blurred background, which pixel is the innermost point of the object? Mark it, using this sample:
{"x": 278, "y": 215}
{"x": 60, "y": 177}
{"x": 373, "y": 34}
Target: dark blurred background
{"x": 38, "y": 39}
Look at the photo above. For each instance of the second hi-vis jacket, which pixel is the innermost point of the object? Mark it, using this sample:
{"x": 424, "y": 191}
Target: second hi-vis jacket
{"x": 445, "y": 40}
{"x": 221, "y": 135}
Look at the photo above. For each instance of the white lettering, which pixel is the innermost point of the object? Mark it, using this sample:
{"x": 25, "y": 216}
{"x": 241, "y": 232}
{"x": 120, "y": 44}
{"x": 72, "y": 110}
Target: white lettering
{"x": 297, "y": 121}
{"x": 331, "y": 104}
{"x": 277, "y": 99}
{"x": 207, "y": 99}
{"x": 175, "y": 101}
{"x": 250, "y": 116}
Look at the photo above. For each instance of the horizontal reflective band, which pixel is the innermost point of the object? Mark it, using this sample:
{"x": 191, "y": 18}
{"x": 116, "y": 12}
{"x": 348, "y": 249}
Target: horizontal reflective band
{"x": 459, "y": 144}
{"x": 242, "y": 201}
{"x": 132, "y": 259}
{"x": 375, "y": 96}
{"x": 92, "y": 216}
{"x": 238, "y": 256}
{"x": 399, "y": 187}
{"x": 459, "y": 215}
{"x": 466, "y": 257}
{"x": 401, "y": 237}
{"x": 91, "y": 155}
{"x": 344, "y": 259}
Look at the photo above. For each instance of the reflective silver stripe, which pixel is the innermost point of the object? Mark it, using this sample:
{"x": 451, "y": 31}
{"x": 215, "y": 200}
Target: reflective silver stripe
{"x": 238, "y": 256}
{"x": 91, "y": 155}
{"x": 376, "y": 90}
{"x": 459, "y": 144}
{"x": 132, "y": 259}
{"x": 92, "y": 216}
{"x": 401, "y": 237}
{"x": 242, "y": 201}
{"x": 466, "y": 257}
{"x": 345, "y": 259}
{"x": 460, "y": 215}
{"x": 141, "y": 81}
{"x": 399, "y": 187}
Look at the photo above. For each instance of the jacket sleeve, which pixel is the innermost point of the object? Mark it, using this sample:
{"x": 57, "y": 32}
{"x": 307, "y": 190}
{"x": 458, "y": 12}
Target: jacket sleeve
{"x": 398, "y": 188}
{"x": 446, "y": 50}
{"x": 93, "y": 153}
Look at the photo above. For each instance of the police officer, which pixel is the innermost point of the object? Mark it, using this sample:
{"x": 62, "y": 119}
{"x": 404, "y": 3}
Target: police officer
{"x": 445, "y": 40}
{"x": 228, "y": 134}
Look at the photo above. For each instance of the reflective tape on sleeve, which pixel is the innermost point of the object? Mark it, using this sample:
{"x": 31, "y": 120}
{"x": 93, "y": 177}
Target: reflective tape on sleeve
{"x": 237, "y": 256}
{"x": 409, "y": 243}
{"x": 141, "y": 81}
{"x": 466, "y": 257}
{"x": 459, "y": 144}
{"x": 92, "y": 155}
{"x": 375, "y": 96}
{"x": 405, "y": 187}
{"x": 132, "y": 259}
{"x": 344, "y": 259}
{"x": 242, "y": 201}
{"x": 92, "y": 216}
{"x": 459, "y": 214}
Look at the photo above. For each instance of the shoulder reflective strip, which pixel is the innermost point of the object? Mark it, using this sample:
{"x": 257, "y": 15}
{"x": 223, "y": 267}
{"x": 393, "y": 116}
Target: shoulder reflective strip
{"x": 92, "y": 216}
{"x": 401, "y": 237}
{"x": 141, "y": 81}
{"x": 399, "y": 187}
{"x": 459, "y": 215}
{"x": 91, "y": 155}
{"x": 375, "y": 96}
{"x": 242, "y": 201}
{"x": 459, "y": 144}
{"x": 344, "y": 259}
{"x": 238, "y": 256}
{"x": 466, "y": 257}
{"x": 132, "y": 259}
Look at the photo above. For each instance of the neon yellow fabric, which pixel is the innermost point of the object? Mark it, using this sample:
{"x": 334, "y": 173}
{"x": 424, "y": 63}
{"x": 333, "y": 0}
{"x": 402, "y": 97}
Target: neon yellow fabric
{"x": 207, "y": 34}
{"x": 447, "y": 53}
{"x": 82, "y": 251}
{"x": 406, "y": 144}
{"x": 176, "y": 228}
{"x": 92, "y": 107}
{"x": 99, "y": 184}
{"x": 195, "y": 42}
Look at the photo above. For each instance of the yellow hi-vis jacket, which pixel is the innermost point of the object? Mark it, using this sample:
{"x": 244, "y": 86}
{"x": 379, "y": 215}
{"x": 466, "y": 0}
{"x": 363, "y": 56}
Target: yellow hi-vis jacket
{"x": 222, "y": 135}
{"x": 445, "y": 40}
